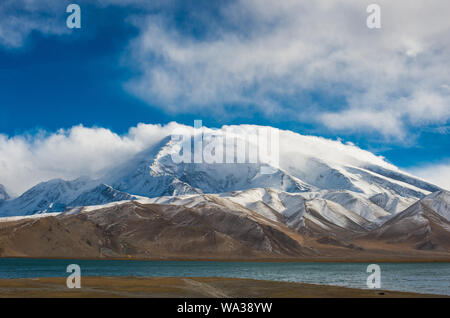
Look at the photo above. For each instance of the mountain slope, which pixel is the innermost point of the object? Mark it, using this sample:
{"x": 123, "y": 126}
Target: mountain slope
{"x": 424, "y": 225}
{"x": 48, "y": 196}
{"x": 150, "y": 230}
{"x": 153, "y": 173}
{"x": 57, "y": 195}
{"x": 291, "y": 210}
{"x": 101, "y": 194}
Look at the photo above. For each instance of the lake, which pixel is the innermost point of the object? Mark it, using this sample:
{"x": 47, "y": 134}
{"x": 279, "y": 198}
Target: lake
{"x": 431, "y": 278}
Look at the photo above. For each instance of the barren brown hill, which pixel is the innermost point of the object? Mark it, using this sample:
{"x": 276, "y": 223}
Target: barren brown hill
{"x": 423, "y": 226}
{"x": 149, "y": 231}
{"x": 212, "y": 230}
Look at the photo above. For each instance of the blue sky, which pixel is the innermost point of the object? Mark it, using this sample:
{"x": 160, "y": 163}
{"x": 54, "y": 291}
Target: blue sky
{"x": 311, "y": 68}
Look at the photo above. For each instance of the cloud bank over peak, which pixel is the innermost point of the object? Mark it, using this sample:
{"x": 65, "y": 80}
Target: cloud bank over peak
{"x": 26, "y": 160}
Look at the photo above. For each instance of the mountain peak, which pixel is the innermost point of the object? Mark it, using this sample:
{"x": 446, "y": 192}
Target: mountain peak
{"x": 425, "y": 224}
{"x": 439, "y": 202}
{"x": 306, "y": 164}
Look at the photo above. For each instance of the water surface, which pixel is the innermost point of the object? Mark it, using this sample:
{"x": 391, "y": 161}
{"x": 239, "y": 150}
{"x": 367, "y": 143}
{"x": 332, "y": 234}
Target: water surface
{"x": 431, "y": 278}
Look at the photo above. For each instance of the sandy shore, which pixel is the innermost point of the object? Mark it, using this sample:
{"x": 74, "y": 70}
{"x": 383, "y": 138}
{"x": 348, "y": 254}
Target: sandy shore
{"x": 182, "y": 287}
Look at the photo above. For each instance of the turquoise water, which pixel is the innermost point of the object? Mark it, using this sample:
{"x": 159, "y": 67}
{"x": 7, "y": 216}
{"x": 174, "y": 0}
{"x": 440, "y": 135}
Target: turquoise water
{"x": 431, "y": 278}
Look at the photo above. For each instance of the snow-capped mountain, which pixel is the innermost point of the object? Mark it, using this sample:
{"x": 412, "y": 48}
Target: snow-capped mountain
{"x": 58, "y": 195}
{"x": 153, "y": 173}
{"x": 321, "y": 197}
{"x": 306, "y": 164}
{"x": 344, "y": 185}
{"x": 321, "y": 210}
{"x": 53, "y": 195}
{"x": 101, "y": 194}
{"x": 426, "y": 223}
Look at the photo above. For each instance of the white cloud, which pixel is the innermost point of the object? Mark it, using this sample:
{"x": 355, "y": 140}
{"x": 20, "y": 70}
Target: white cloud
{"x": 18, "y": 18}
{"x": 68, "y": 154}
{"x": 272, "y": 55}
{"x": 26, "y": 160}
{"x": 282, "y": 51}
{"x": 438, "y": 174}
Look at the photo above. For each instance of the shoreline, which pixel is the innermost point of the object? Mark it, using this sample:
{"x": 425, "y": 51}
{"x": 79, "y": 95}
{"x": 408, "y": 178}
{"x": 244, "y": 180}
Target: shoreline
{"x": 245, "y": 260}
{"x": 186, "y": 287}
